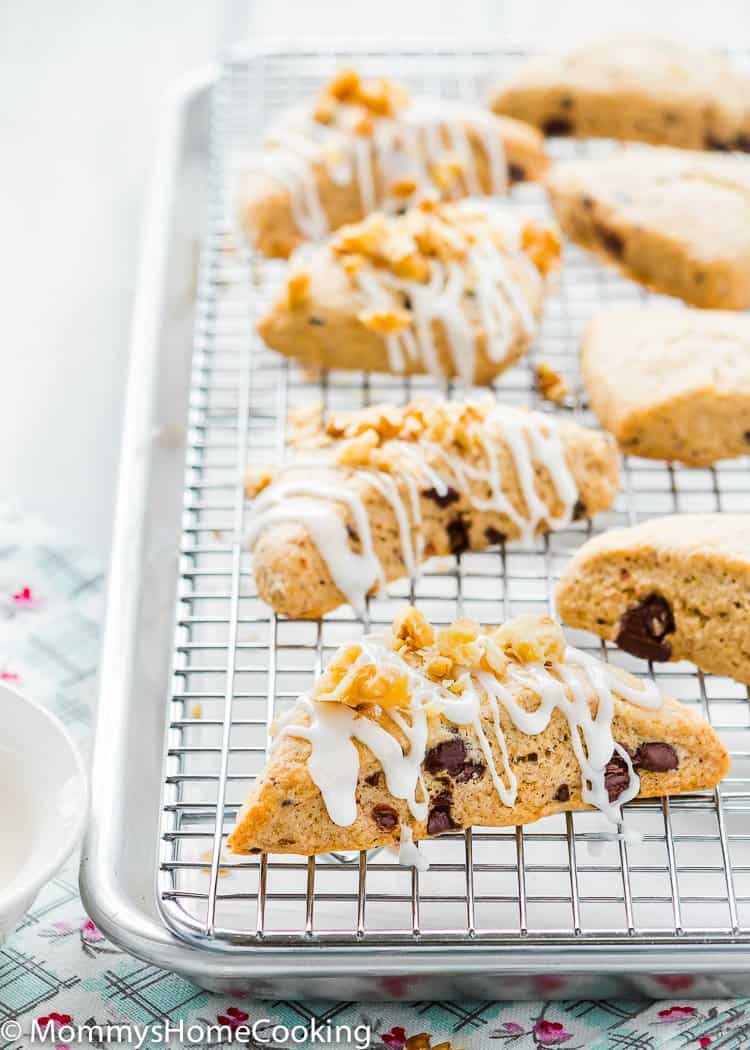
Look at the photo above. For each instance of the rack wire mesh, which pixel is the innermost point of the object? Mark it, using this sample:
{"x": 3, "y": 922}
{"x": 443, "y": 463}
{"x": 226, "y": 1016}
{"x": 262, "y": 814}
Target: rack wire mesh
{"x": 237, "y": 666}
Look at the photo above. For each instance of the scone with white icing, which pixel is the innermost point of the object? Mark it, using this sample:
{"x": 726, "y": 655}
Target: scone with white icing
{"x": 669, "y": 383}
{"x": 401, "y": 485}
{"x": 674, "y": 220}
{"x": 450, "y": 289}
{"x": 673, "y": 588}
{"x": 422, "y": 731}
{"x": 633, "y": 87}
{"x": 366, "y": 145}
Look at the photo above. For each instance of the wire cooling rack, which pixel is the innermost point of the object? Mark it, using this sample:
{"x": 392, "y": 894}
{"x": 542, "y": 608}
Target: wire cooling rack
{"x": 237, "y": 666}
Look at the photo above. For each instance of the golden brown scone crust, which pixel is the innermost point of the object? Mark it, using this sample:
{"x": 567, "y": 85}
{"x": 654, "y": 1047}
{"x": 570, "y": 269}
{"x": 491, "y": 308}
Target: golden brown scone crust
{"x": 673, "y": 220}
{"x": 292, "y": 577}
{"x": 633, "y": 88}
{"x": 265, "y": 204}
{"x": 671, "y": 384}
{"x": 286, "y": 813}
{"x": 698, "y": 564}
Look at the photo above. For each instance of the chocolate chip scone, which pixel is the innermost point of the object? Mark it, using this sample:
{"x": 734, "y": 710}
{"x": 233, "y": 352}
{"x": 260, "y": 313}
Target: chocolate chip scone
{"x": 401, "y": 485}
{"x": 673, "y": 588}
{"x": 674, "y": 220}
{"x": 669, "y": 383}
{"x": 363, "y": 146}
{"x": 451, "y": 289}
{"x": 637, "y": 88}
{"x": 423, "y": 731}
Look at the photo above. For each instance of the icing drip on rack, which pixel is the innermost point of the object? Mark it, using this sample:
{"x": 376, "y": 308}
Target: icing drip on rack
{"x": 406, "y": 147}
{"x": 315, "y": 502}
{"x": 582, "y": 688}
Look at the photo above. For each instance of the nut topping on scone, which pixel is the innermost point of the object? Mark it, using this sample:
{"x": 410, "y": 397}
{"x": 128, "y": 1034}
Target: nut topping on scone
{"x": 363, "y": 146}
{"x": 425, "y": 731}
{"x": 449, "y": 289}
{"x": 397, "y": 486}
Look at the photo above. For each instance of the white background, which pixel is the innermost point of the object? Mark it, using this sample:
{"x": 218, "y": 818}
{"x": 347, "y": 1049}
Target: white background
{"x": 80, "y": 84}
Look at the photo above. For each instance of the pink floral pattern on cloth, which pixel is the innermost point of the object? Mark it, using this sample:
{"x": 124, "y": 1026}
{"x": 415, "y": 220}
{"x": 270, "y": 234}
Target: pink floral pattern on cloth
{"x": 60, "y": 968}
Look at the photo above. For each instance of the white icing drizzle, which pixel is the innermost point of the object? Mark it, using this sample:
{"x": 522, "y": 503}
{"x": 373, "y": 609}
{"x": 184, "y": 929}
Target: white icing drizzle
{"x": 312, "y": 501}
{"x": 567, "y": 686}
{"x": 407, "y": 146}
{"x": 499, "y": 298}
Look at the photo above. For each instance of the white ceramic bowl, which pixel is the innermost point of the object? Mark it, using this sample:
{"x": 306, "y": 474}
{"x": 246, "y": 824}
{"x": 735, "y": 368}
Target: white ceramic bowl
{"x": 44, "y": 795}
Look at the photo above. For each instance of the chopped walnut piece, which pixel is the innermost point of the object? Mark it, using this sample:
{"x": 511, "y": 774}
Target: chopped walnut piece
{"x": 412, "y": 267}
{"x": 542, "y": 245}
{"x": 449, "y": 169}
{"x": 364, "y": 237}
{"x": 550, "y": 383}
{"x": 460, "y": 642}
{"x": 403, "y": 187}
{"x": 360, "y": 686}
{"x": 385, "y": 322}
{"x": 411, "y": 629}
{"x": 531, "y": 639}
{"x": 438, "y": 666}
{"x": 385, "y": 420}
{"x": 345, "y": 85}
{"x": 355, "y": 452}
{"x": 324, "y": 109}
{"x": 384, "y": 98}
{"x": 257, "y": 479}
{"x": 298, "y": 289}
{"x": 363, "y": 125}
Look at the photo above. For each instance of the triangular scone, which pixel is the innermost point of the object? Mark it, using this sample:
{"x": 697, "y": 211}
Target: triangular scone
{"x": 675, "y": 220}
{"x": 422, "y": 732}
{"x": 401, "y": 485}
{"x": 633, "y": 87}
{"x": 673, "y": 588}
{"x": 671, "y": 383}
{"x": 453, "y": 290}
{"x": 363, "y": 146}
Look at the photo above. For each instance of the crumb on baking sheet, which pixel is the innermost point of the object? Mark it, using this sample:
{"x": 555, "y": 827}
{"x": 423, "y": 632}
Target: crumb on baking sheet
{"x": 550, "y": 383}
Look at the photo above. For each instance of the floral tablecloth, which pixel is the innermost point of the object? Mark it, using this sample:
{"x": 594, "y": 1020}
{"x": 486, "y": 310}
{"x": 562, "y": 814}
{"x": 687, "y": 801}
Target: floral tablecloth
{"x": 59, "y": 971}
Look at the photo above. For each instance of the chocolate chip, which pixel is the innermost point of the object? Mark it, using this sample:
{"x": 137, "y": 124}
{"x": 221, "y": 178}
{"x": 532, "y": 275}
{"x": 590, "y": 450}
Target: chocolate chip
{"x": 374, "y": 778}
{"x": 656, "y": 757}
{"x": 318, "y": 321}
{"x": 385, "y": 817}
{"x": 612, "y": 241}
{"x": 443, "y": 499}
{"x": 643, "y": 629}
{"x": 516, "y": 173}
{"x": 580, "y": 510}
{"x": 742, "y": 142}
{"x": 531, "y": 757}
{"x": 406, "y": 300}
{"x": 712, "y": 142}
{"x": 439, "y": 819}
{"x": 458, "y": 536}
{"x": 563, "y": 793}
{"x": 449, "y": 756}
{"x": 616, "y": 776}
{"x": 746, "y": 437}
{"x": 494, "y": 536}
{"x": 286, "y": 802}
{"x": 352, "y": 534}
{"x": 557, "y": 126}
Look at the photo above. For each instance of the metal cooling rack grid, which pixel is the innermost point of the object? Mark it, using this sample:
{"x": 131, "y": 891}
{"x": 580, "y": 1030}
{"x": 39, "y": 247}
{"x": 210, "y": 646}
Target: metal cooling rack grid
{"x": 237, "y": 666}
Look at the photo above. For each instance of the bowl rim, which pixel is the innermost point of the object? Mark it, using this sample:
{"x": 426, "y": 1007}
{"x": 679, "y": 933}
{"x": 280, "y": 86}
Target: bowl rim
{"x": 17, "y": 892}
